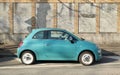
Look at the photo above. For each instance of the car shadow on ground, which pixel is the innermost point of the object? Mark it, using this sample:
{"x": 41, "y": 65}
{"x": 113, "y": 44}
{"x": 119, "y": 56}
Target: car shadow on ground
{"x": 7, "y": 53}
{"x": 57, "y": 62}
{"x": 5, "y": 59}
{"x": 109, "y": 53}
{"x": 108, "y": 57}
{"x": 106, "y": 60}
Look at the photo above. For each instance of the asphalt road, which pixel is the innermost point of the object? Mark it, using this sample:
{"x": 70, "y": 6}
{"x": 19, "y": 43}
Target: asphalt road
{"x": 109, "y": 65}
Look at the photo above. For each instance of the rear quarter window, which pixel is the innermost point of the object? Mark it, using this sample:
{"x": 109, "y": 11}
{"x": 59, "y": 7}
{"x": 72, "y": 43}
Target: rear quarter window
{"x": 39, "y": 35}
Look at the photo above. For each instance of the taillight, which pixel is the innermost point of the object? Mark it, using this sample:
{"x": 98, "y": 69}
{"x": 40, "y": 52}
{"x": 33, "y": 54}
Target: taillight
{"x": 20, "y": 44}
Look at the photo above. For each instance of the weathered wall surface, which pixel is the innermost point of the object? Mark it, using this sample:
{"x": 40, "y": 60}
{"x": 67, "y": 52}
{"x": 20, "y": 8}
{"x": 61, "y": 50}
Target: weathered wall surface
{"x": 44, "y": 15}
{"x": 105, "y": 39}
{"x": 22, "y": 17}
{"x": 97, "y": 22}
{"x": 108, "y": 17}
{"x": 4, "y": 23}
{"x": 65, "y": 15}
{"x": 87, "y": 18}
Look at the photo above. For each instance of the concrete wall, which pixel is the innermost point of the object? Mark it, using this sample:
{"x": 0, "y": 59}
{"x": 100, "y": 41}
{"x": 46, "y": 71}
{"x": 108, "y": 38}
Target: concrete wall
{"x": 87, "y": 18}
{"x": 65, "y": 15}
{"x": 105, "y": 39}
{"x": 108, "y": 17}
{"x": 65, "y": 12}
{"x": 44, "y": 15}
{"x": 4, "y": 22}
{"x": 22, "y": 17}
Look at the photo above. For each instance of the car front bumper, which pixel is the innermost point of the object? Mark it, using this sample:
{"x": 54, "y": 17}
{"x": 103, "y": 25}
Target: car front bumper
{"x": 99, "y": 56}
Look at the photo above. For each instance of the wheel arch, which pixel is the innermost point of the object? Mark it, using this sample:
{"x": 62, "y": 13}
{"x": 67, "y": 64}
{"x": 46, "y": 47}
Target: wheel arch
{"x": 86, "y": 51}
{"x": 29, "y": 51}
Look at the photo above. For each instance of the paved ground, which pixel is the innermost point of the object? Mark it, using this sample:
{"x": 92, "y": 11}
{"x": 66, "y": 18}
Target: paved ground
{"x": 76, "y": 70}
{"x": 8, "y": 51}
{"x": 109, "y": 65}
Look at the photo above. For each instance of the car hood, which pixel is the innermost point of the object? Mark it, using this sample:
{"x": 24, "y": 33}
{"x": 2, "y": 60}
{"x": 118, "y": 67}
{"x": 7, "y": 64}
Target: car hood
{"x": 87, "y": 44}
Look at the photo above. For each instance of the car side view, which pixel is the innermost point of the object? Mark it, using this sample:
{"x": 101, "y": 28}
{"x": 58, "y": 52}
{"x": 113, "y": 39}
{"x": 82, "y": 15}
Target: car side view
{"x": 57, "y": 44}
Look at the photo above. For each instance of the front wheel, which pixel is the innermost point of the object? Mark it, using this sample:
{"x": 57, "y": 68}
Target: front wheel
{"x": 27, "y": 58}
{"x": 86, "y": 58}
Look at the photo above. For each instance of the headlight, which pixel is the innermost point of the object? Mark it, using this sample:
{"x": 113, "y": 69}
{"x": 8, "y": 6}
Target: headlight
{"x": 99, "y": 51}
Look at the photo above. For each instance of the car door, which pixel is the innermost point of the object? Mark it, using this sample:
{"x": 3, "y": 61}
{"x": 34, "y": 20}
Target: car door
{"x": 58, "y": 47}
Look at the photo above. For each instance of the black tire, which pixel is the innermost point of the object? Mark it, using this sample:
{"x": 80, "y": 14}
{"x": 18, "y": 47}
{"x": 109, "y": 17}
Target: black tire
{"x": 27, "y": 58}
{"x": 86, "y": 58}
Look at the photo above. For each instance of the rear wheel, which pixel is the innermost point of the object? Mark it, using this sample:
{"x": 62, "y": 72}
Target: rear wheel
{"x": 86, "y": 58}
{"x": 27, "y": 58}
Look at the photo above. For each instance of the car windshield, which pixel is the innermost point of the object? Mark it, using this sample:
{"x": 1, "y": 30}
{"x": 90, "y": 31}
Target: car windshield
{"x": 75, "y": 36}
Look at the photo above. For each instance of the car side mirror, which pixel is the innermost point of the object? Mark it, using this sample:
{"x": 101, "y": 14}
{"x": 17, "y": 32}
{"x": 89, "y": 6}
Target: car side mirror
{"x": 71, "y": 39}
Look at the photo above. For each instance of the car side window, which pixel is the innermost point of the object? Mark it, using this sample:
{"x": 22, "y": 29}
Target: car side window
{"x": 39, "y": 35}
{"x": 57, "y": 35}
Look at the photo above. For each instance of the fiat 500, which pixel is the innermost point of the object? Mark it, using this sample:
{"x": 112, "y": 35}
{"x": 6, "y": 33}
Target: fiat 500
{"x": 57, "y": 44}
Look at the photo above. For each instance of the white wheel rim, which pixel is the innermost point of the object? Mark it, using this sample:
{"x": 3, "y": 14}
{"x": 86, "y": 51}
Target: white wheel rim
{"x": 87, "y": 59}
{"x": 27, "y": 58}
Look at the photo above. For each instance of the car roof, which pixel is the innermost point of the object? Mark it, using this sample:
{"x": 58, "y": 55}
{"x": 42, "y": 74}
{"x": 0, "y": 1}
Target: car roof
{"x": 42, "y": 29}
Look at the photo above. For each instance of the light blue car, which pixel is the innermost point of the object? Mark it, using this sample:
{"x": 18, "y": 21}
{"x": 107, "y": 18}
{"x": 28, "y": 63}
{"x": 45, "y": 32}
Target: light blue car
{"x": 57, "y": 44}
